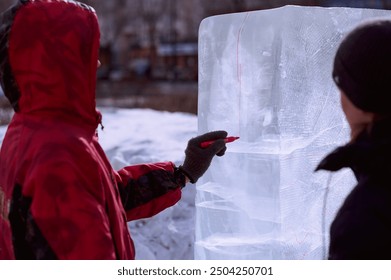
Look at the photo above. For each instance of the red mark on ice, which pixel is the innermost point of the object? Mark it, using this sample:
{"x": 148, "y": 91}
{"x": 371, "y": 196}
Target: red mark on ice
{"x": 238, "y": 65}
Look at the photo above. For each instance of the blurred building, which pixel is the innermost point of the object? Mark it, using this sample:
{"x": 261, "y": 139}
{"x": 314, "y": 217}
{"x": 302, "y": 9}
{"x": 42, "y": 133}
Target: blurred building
{"x": 157, "y": 39}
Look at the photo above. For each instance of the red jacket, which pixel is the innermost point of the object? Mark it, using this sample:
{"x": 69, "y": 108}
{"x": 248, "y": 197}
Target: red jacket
{"x": 59, "y": 196}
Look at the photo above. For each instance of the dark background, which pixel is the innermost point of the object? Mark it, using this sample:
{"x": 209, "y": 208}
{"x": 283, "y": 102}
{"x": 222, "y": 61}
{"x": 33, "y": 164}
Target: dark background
{"x": 149, "y": 48}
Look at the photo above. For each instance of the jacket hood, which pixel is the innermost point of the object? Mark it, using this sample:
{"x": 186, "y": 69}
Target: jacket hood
{"x": 51, "y": 51}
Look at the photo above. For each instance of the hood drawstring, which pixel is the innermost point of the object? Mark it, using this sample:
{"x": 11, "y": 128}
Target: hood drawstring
{"x": 99, "y": 119}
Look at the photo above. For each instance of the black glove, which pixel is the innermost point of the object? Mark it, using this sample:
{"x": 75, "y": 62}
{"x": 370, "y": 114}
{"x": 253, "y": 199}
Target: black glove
{"x": 198, "y": 159}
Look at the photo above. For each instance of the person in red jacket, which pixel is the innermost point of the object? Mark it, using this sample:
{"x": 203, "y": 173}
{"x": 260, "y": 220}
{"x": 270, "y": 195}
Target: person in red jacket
{"x": 59, "y": 196}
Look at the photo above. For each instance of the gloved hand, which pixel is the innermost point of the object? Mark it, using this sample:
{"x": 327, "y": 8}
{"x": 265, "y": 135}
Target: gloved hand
{"x": 198, "y": 159}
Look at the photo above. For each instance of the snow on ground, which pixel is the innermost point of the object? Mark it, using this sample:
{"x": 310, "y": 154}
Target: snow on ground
{"x": 132, "y": 136}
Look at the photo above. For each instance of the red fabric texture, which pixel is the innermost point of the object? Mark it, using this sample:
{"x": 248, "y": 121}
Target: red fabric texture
{"x": 156, "y": 205}
{"x": 51, "y": 147}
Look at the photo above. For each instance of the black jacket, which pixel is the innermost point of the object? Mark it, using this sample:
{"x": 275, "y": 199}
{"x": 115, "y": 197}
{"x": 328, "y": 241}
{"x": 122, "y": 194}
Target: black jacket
{"x": 362, "y": 226}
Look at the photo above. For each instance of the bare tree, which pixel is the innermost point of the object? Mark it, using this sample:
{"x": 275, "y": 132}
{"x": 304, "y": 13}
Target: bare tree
{"x": 152, "y": 10}
{"x": 239, "y": 5}
{"x": 5, "y": 4}
{"x": 386, "y": 4}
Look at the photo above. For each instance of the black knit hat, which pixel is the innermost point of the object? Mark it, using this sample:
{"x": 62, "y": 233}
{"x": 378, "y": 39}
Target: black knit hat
{"x": 362, "y": 66}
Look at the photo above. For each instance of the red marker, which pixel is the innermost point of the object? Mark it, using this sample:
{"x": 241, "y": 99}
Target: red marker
{"x": 229, "y": 139}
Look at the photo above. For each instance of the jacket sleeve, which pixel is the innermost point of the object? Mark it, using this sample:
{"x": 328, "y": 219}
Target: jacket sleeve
{"x": 148, "y": 189}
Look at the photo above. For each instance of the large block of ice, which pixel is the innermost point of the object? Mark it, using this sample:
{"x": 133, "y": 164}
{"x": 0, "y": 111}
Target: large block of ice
{"x": 266, "y": 76}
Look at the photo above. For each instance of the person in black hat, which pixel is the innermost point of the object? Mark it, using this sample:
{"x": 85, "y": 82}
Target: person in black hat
{"x": 362, "y": 72}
